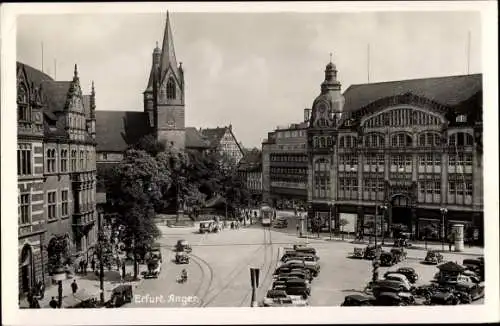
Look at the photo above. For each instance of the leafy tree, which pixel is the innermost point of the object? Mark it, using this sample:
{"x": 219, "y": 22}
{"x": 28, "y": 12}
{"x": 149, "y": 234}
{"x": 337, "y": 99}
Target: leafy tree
{"x": 429, "y": 230}
{"x": 343, "y": 222}
{"x": 150, "y": 144}
{"x": 135, "y": 189}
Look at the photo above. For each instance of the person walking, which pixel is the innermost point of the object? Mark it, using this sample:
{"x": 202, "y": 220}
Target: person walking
{"x": 85, "y": 266}
{"x": 74, "y": 287}
{"x": 41, "y": 289}
{"x": 36, "y": 304}
{"x": 92, "y": 264}
{"x": 53, "y": 303}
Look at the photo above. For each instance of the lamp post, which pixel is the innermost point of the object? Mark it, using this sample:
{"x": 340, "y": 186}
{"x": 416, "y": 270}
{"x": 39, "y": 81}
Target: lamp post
{"x": 376, "y": 224}
{"x": 384, "y": 209}
{"x": 59, "y": 275}
{"x": 331, "y": 205}
{"x": 444, "y": 211}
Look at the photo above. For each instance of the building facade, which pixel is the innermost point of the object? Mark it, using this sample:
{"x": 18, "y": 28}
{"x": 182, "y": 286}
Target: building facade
{"x": 284, "y": 166}
{"x": 56, "y": 173}
{"x": 250, "y": 170}
{"x": 221, "y": 140}
{"x": 405, "y": 153}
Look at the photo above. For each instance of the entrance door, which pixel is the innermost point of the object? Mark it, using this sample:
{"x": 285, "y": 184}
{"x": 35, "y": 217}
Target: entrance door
{"x": 401, "y": 212}
{"x": 26, "y": 269}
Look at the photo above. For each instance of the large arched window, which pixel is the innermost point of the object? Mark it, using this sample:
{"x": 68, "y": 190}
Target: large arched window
{"x": 27, "y": 269}
{"x": 171, "y": 88}
{"x": 374, "y": 140}
{"x": 401, "y": 140}
{"x": 429, "y": 139}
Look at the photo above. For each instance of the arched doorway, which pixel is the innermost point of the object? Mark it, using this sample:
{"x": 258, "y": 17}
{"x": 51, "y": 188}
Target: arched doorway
{"x": 401, "y": 212}
{"x": 27, "y": 269}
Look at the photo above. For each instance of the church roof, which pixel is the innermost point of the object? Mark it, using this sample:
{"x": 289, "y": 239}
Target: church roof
{"x": 115, "y": 130}
{"x": 168, "y": 52}
{"x": 33, "y": 75}
{"x": 449, "y": 91}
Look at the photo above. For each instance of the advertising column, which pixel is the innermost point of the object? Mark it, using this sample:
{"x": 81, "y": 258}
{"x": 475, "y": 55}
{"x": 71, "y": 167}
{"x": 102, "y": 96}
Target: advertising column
{"x": 458, "y": 231}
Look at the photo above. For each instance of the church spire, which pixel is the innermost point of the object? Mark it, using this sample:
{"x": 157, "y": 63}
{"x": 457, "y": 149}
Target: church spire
{"x": 167, "y": 51}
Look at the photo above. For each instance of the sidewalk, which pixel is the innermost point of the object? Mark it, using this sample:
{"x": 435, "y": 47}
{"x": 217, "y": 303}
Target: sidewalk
{"x": 416, "y": 245}
{"x": 90, "y": 284}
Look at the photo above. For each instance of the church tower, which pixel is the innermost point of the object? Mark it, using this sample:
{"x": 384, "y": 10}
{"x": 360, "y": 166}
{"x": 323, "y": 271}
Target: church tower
{"x": 164, "y": 95}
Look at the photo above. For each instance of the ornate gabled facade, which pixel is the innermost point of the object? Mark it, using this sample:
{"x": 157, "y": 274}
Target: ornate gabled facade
{"x": 56, "y": 172}
{"x": 405, "y": 152}
{"x": 222, "y": 140}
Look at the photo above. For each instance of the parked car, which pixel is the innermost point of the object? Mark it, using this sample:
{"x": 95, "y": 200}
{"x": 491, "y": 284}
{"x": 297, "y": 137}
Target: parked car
{"x": 295, "y": 274}
{"x": 401, "y": 278}
{"x": 443, "y": 298}
{"x": 355, "y": 300}
{"x": 120, "y": 295}
{"x": 280, "y": 297}
{"x": 206, "y": 226}
{"x": 387, "y": 259}
{"x": 297, "y": 254}
{"x": 313, "y": 267}
{"x": 154, "y": 269}
{"x": 473, "y": 291}
{"x": 371, "y": 251}
{"x": 389, "y": 299}
{"x": 181, "y": 258}
{"x": 283, "y": 269}
{"x": 304, "y": 248}
{"x": 297, "y": 286}
{"x": 358, "y": 253}
{"x": 393, "y": 284}
{"x": 409, "y": 272}
{"x": 306, "y": 271}
{"x": 433, "y": 257}
{"x": 183, "y": 245}
{"x": 475, "y": 265}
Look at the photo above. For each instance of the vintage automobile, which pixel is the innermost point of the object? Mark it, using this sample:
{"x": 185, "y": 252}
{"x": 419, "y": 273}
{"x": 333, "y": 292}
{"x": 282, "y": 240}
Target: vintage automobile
{"x": 283, "y": 269}
{"x": 409, "y": 272}
{"x": 154, "y": 269}
{"x": 476, "y": 266}
{"x": 387, "y": 259}
{"x": 281, "y": 223}
{"x": 120, "y": 295}
{"x": 390, "y": 299}
{"x": 297, "y": 286}
{"x": 303, "y": 270}
{"x": 471, "y": 291}
{"x": 304, "y": 248}
{"x": 276, "y": 298}
{"x": 154, "y": 252}
{"x": 371, "y": 251}
{"x": 433, "y": 257}
{"x": 299, "y": 254}
{"x": 312, "y": 266}
{"x": 278, "y": 284}
{"x": 393, "y": 284}
{"x": 355, "y": 300}
{"x": 206, "y": 226}
{"x": 358, "y": 253}
{"x": 181, "y": 258}
{"x": 443, "y": 297}
{"x": 401, "y": 278}
{"x": 183, "y": 245}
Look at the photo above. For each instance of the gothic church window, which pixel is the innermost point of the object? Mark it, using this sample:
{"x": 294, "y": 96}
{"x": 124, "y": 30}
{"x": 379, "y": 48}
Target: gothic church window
{"x": 171, "y": 88}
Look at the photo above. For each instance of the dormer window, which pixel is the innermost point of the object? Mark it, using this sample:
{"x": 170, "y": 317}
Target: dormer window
{"x": 23, "y": 110}
{"x": 461, "y": 118}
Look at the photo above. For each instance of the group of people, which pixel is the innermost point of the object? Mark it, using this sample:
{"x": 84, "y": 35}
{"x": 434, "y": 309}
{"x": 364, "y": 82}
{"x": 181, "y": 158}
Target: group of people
{"x": 35, "y": 294}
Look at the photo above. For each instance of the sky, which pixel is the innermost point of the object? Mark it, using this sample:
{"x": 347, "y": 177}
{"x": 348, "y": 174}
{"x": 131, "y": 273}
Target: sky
{"x": 255, "y": 71}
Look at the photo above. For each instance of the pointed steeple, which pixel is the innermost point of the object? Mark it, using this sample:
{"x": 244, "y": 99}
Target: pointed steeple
{"x": 167, "y": 51}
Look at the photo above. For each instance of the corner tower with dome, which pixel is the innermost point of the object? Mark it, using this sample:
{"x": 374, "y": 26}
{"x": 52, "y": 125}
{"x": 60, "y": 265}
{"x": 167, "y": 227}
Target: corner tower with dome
{"x": 397, "y": 155}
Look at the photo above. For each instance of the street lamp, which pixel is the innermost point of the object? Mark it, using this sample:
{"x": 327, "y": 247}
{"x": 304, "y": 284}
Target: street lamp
{"x": 384, "y": 209}
{"x": 444, "y": 211}
{"x": 59, "y": 275}
{"x": 331, "y": 205}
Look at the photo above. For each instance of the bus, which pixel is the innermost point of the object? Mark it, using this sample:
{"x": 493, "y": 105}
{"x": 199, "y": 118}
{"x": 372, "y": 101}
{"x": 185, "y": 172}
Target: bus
{"x": 266, "y": 215}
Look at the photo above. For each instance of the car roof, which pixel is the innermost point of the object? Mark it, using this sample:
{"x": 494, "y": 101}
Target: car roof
{"x": 276, "y": 292}
{"x": 411, "y": 269}
{"x": 397, "y": 275}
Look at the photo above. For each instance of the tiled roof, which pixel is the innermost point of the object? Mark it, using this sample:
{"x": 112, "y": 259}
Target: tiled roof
{"x": 251, "y": 161}
{"x": 34, "y": 75}
{"x": 56, "y": 94}
{"x": 449, "y": 91}
{"x": 214, "y": 135}
{"x": 115, "y": 130}
{"x": 194, "y": 139}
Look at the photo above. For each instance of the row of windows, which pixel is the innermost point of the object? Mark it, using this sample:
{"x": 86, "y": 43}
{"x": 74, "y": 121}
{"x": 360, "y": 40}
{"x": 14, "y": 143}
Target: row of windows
{"x": 402, "y": 117}
{"x": 460, "y": 159}
{"x": 321, "y": 165}
{"x": 348, "y": 142}
{"x": 288, "y": 158}
{"x": 348, "y": 159}
{"x": 288, "y": 171}
{"x": 25, "y": 160}
{"x": 427, "y": 139}
{"x": 291, "y": 134}
{"x": 296, "y": 146}
{"x": 52, "y": 204}
{"x": 321, "y": 187}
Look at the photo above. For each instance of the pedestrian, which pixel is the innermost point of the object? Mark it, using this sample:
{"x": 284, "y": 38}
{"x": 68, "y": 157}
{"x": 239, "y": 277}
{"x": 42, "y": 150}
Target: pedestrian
{"x": 298, "y": 228}
{"x": 29, "y": 298}
{"x": 36, "y": 304}
{"x": 449, "y": 246}
{"x": 41, "y": 289}
{"x": 85, "y": 266}
{"x": 92, "y": 264}
{"x": 123, "y": 270}
{"x": 74, "y": 287}
{"x": 53, "y": 303}
{"x": 80, "y": 263}
{"x": 118, "y": 264}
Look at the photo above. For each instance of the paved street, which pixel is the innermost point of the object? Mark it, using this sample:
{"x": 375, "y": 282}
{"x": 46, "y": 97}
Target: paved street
{"x": 219, "y": 269}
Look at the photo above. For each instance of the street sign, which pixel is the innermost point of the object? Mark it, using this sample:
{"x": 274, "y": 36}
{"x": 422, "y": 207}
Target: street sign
{"x": 254, "y": 277}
